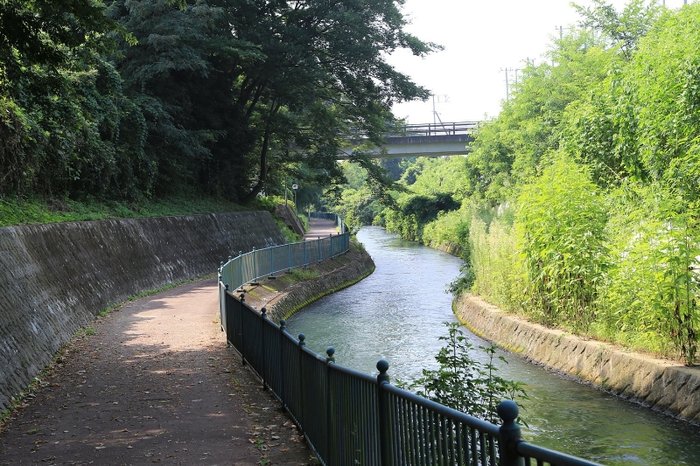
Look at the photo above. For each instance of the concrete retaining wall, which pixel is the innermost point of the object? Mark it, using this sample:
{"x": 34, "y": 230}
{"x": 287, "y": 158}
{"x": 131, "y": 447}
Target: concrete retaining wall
{"x": 55, "y": 278}
{"x": 332, "y": 279}
{"x": 662, "y": 385}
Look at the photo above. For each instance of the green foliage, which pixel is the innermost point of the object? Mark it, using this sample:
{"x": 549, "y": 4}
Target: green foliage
{"x": 450, "y": 231}
{"x": 509, "y": 150}
{"x": 137, "y": 100}
{"x": 624, "y": 29}
{"x": 649, "y": 298}
{"x": 463, "y": 383}
{"x": 497, "y": 268}
{"x": 303, "y": 274}
{"x": 17, "y": 212}
{"x": 560, "y": 226}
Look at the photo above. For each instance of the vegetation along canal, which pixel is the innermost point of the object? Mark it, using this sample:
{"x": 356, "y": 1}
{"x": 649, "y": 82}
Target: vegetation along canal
{"x": 397, "y": 314}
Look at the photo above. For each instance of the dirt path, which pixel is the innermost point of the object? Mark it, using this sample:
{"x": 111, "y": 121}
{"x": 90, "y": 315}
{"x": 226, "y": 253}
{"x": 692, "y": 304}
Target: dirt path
{"x": 153, "y": 382}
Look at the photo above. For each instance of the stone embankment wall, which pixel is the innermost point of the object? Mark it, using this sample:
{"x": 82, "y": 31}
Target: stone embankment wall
{"x": 357, "y": 265}
{"x": 55, "y": 278}
{"x": 658, "y": 384}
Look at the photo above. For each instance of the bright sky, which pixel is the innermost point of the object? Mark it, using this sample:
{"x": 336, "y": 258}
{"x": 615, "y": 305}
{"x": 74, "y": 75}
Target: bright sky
{"x": 481, "y": 39}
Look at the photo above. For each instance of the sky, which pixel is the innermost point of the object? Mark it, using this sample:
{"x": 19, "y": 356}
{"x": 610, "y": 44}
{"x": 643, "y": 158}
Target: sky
{"x": 481, "y": 39}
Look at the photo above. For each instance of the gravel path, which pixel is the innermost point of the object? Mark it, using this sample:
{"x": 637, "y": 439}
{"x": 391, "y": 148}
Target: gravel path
{"x": 153, "y": 382}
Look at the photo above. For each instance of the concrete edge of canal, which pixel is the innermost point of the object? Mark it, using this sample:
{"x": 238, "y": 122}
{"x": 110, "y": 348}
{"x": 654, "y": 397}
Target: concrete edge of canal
{"x": 335, "y": 274}
{"x": 658, "y": 384}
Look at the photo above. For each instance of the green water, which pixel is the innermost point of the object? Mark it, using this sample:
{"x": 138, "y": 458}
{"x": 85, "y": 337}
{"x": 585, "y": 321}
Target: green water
{"x": 397, "y": 314}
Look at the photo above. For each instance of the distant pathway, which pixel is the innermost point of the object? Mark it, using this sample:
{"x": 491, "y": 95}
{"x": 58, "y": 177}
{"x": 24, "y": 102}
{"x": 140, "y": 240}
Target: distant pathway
{"x": 320, "y": 227}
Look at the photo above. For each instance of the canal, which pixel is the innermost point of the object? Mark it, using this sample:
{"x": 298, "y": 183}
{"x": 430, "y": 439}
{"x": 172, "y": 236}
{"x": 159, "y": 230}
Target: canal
{"x": 398, "y": 314}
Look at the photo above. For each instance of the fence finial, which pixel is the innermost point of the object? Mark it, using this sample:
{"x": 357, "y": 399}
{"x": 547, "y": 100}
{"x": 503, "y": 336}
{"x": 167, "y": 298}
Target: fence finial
{"x": 283, "y": 325}
{"x": 509, "y": 434}
{"x": 330, "y": 351}
{"x": 382, "y": 367}
{"x": 263, "y": 311}
{"x": 302, "y": 337}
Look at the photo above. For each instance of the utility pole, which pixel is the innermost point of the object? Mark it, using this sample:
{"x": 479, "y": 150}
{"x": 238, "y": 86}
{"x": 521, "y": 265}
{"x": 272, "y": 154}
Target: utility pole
{"x": 440, "y": 98}
{"x": 507, "y": 72}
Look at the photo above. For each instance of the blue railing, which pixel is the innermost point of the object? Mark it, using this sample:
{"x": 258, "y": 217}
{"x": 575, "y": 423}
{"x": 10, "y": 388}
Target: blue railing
{"x": 259, "y": 263}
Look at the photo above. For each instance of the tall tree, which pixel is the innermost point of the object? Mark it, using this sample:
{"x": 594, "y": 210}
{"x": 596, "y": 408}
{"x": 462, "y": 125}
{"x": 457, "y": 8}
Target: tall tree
{"x": 322, "y": 70}
{"x": 63, "y": 117}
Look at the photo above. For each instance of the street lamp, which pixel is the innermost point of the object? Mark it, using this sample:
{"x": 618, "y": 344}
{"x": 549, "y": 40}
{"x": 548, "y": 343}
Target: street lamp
{"x": 294, "y": 188}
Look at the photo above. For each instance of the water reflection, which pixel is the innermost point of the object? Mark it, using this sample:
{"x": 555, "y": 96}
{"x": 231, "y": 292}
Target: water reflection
{"x": 397, "y": 314}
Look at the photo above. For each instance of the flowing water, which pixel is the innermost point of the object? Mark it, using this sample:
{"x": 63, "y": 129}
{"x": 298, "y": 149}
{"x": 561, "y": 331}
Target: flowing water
{"x": 398, "y": 314}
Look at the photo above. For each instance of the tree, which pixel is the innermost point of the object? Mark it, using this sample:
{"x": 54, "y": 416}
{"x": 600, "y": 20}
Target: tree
{"x": 320, "y": 73}
{"x": 508, "y": 151}
{"x": 623, "y": 29}
{"x": 65, "y": 127}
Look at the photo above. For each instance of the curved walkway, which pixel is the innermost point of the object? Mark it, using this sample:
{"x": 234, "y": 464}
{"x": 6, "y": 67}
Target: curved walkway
{"x": 153, "y": 382}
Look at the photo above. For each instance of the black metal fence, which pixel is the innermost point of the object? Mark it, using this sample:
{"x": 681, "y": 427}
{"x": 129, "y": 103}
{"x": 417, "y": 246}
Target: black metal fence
{"x": 351, "y": 418}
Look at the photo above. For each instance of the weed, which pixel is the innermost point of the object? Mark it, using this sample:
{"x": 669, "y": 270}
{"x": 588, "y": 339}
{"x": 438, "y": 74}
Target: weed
{"x": 303, "y": 274}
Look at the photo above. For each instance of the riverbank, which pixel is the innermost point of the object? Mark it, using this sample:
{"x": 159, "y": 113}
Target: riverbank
{"x": 661, "y": 385}
{"x": 285, "y": 294}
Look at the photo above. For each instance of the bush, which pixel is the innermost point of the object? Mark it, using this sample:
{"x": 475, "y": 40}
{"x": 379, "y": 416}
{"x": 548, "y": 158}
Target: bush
{"x": 463, "y": 383}
{"x": 560, "y": 225}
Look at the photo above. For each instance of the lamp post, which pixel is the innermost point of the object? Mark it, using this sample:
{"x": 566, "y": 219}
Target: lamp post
{"x": 294, "y": 188}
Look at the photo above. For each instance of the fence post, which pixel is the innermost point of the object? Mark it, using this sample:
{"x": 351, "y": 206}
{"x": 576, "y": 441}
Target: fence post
{"x": 255, "y": 264}
{"x": 384, "y": 416}
{"x": 240, "y": 326}
{"x": 263, "y": 317}
{"x": 318, "y": 247}
{"x": 509, "y": 434}
{"x": 330, "y": 351}
{"x": 283, "y": 395}
{"x": 304, "y": 252}
{"x": 240, "y": 271}
{"x": 301, "y": 416}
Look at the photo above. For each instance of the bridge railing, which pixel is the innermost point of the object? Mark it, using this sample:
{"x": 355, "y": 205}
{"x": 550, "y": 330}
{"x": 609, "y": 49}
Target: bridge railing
{"x": 424, "y": 129}
{"x": 436, "y": 129}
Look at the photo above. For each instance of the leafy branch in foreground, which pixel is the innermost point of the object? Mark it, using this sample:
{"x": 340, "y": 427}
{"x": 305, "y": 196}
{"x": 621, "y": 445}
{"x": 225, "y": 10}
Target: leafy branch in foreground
{"x": 465, "y": 384}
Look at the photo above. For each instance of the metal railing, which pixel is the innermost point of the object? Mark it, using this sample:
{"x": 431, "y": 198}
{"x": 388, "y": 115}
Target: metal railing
{"x": 258, "y": 263}
{"x": 437, "y": 129}
{"x": 350, "y": 418}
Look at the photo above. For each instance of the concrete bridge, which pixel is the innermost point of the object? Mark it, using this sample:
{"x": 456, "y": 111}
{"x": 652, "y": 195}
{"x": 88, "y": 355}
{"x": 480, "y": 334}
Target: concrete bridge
{"x": 421, "y": 140}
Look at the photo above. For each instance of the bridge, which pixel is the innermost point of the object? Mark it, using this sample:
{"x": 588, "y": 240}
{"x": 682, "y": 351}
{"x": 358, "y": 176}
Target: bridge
{"x": 421, "y": 140}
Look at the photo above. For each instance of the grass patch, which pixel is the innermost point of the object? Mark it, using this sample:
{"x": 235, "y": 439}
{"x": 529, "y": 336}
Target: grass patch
{"x": 14, "y": 211}
{"x": 303, "y": 274}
